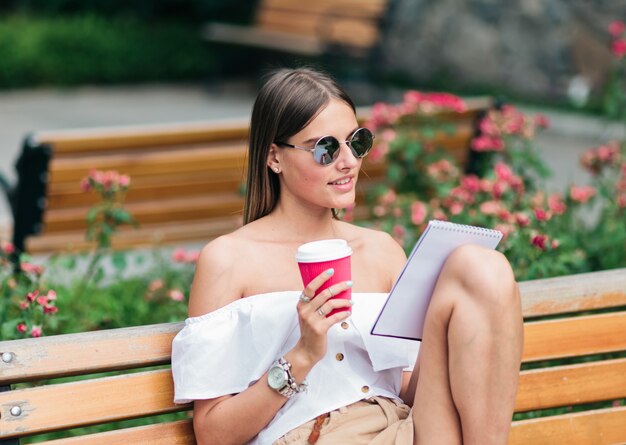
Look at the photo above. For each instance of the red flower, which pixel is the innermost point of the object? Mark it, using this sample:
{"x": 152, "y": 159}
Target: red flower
{"x": 503, "y": 172}
{"x": 616, "y": 28}
{"x": 539, "y": 241}
{"x": 619, "y": 48}
{"x": 487, "y": 143}
{"x": 471, "y": 183}
{"x": 542, "y": 215}
{"x": 21, "y": 327}
{"x": 32, "y": 296}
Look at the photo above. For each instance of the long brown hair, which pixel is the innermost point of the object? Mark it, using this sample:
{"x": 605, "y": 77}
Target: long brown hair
{"x": 286, "y": 103}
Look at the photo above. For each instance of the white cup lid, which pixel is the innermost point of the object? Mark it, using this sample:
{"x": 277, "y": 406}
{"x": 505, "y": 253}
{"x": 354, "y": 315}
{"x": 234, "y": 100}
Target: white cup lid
{"x": 323, "y": 250}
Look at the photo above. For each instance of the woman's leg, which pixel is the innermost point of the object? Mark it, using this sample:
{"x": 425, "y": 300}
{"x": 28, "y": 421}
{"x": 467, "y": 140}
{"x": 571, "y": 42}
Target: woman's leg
{"x": 470, "y": 356}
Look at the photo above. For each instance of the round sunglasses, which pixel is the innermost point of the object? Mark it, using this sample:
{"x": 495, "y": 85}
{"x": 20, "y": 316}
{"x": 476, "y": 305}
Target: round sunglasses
{"x": 327, "y": 148}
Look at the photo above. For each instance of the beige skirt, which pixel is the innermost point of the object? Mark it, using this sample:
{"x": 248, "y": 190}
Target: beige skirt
{"x": 375, "y": 421}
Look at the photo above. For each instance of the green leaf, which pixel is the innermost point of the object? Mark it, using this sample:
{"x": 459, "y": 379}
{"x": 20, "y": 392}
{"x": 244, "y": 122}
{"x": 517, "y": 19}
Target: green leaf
{"x": 119, "y": 261}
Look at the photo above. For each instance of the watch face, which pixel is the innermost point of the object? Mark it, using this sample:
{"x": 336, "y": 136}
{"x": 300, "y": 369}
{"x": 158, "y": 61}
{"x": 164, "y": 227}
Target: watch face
{"x": 276, "y": 377}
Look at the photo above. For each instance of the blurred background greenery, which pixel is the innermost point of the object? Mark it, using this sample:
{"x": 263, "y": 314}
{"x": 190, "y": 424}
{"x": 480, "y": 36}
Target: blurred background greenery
{"x": 70, "y": 42}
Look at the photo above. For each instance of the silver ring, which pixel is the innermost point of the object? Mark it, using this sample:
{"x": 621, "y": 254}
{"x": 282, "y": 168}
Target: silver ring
{"x": 321, "y": 312}
{"x": 331, "y": 292}
{"x": 304, "y": 298}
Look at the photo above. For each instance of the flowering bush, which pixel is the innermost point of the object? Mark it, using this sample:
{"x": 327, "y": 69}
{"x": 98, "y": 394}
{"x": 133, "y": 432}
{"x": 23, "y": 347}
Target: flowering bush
{"x": 544, "y": 234}
{"x": 26, "y": 309}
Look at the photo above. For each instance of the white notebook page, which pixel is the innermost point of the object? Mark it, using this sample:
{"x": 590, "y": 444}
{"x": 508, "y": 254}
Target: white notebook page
{"x": 405, "y": 310}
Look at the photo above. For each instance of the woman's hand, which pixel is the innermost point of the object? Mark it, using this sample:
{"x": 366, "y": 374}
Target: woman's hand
{"x": 314, "y": 319}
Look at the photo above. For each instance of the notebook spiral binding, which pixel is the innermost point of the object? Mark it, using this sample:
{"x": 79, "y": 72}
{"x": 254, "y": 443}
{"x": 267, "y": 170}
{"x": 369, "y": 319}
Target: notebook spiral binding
{"x": 454, "y": 227}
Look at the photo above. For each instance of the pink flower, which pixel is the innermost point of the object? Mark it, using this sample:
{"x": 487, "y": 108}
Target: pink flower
{"x": 542, "y": 121}
{"x": 32, "y": 296}
{"x": 85, "y": 185}
{"x": 522, "y": 219}
{"x": 21, "y": 327}
{"x": 542, "y": 215}
{"x": 36, "y": 331}
{"x": 389, "y": 197}
{"x": 621, "y": 201}
{"x": 499, "y": 188}
{"x": 506, "y": 229}
{"x": 471, "y": 183}
{"x": 503, "y": 172}
{"x": 32, "y": 268}
{"x": 616, "y": 28}
{"x": 618, "y": 48}
{"x": 581, "y": 194}
{"x": 179, "y": 255}
{"x": 176, "y": 295}
{"x": 124, "y": 181}
{"x": 7, "y": 247}
{"x": 155, "y": 285}
{"x": 555, "y": 244}
{"x": 490, "y": 207}
{"x": 24, "y": 304}
{"x": 556, "y": 204}
{"x": 42, "y": 301}
{"x": 192, "y": 257}
{"x": 52, "y": 295}
{"x": 398, "y": 233}
{"x": 456, "y": 208}
{"x": 50, "y": 309}
{"x": 487, "y": 143}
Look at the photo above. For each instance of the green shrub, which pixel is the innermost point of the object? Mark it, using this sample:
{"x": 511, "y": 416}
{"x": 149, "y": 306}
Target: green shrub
{"x": 91, "y": 49}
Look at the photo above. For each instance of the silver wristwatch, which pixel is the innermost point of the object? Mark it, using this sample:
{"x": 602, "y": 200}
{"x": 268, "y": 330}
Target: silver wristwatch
{"x": 279, "y": 378}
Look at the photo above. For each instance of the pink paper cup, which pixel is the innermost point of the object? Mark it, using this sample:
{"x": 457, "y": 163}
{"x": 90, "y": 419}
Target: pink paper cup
{"x": 318, "y": 256}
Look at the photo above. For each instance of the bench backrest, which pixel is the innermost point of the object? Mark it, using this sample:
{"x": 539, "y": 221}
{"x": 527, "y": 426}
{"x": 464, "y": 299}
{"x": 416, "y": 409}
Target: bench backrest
{"x": 186, "y": 179}
{"x": 346, "y": 23}
{"x": 140, "y": 392}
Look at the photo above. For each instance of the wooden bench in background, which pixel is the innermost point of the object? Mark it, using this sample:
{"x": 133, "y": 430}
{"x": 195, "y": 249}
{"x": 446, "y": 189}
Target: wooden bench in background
{"x": 137, "y": 392}
{"x": 186, "y": 180}
{"x": 308, "y": 28}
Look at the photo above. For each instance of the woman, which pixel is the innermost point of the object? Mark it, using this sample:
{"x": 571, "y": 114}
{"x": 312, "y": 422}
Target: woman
{"x": 249, "y": 314}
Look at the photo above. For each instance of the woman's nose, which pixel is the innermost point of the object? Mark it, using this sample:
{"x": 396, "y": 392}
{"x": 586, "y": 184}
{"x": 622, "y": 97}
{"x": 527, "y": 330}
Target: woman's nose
{"x": 346, "y": 157}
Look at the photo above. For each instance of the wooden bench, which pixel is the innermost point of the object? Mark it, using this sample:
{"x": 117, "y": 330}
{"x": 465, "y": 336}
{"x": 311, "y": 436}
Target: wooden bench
{"x": 186, "y": 180}
{"x": 572, "y": 332}
{"x": 308, "y": 28}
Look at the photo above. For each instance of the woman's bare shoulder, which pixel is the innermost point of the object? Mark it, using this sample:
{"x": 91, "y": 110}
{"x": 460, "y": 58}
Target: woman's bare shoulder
{"x": 217, "y": 281}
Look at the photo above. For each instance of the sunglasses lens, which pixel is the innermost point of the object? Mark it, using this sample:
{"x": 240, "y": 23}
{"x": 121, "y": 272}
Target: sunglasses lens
{"x": 361, "y": 142}
{"x": 326, "y": 150}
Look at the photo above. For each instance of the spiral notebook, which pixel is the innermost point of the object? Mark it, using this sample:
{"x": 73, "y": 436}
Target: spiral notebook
{"x": 404, "y": 313}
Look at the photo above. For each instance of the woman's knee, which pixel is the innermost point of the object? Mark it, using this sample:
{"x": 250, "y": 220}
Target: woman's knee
{"x": 485, "y": 273}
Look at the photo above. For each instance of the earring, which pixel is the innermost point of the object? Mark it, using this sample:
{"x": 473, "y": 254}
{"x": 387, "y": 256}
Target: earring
{"x": 276, "y": 170}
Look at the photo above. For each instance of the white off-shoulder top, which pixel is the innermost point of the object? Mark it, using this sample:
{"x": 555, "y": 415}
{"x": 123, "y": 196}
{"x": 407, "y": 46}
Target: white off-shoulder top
{"x": 227, "y": 350}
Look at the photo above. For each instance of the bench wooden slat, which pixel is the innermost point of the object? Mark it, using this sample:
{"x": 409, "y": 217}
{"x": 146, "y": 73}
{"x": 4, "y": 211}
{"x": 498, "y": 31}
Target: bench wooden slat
{"x": 575, "y": 293}
{"x": 94, "y": 401}
{"x": 345, "y": 7}
{"x": 356, "y": 33}
{"x": 573, "y": 337}
{"x": 181, "y": 209}
{"x": 146, "y": 236}
{"x": 148, "y": 188}
{"x": 103, "y": 139}
{"x": 170, "y": 433}
{"x": 87, "y": 352}
{"x": 127, "y": 347}
{"x": 187, "y": 160}
{"x": 600, "y": 427}
{"x": 571, "y": 385}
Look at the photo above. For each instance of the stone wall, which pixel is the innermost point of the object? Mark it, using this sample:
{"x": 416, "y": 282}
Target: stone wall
{"x": 541, "y": 48}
